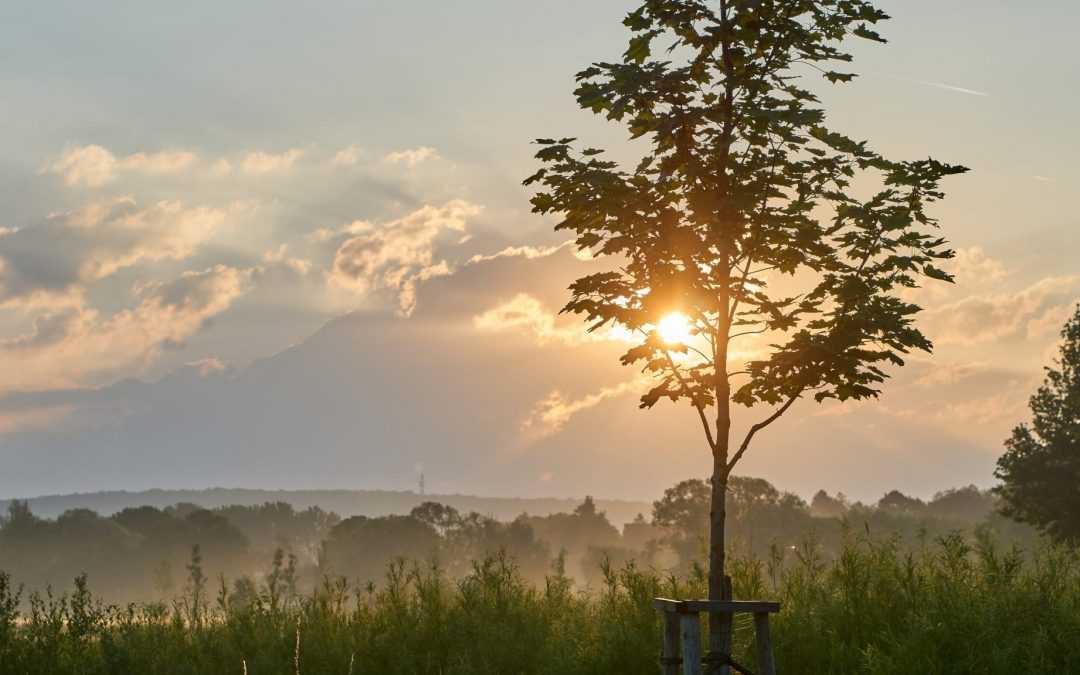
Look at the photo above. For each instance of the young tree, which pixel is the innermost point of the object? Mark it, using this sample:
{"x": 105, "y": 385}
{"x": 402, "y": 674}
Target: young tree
{"x": 742, "y": 220}
{"x": 1040, "y": 469}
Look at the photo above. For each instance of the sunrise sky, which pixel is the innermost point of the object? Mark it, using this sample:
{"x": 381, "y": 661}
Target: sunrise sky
{"x": 280, "y": 244}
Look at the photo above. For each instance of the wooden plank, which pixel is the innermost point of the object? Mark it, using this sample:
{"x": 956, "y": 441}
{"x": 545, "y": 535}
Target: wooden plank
{"x": 666, "y": 605}
{"x": 691, "y": 644}
{"x": 717, "y": 606}
{"x": 763, "y": 638}
{"x": 670, "y": 657}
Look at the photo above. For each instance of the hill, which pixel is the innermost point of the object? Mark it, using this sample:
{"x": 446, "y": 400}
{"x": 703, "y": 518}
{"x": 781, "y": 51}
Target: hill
{"x": 343, "y": 502}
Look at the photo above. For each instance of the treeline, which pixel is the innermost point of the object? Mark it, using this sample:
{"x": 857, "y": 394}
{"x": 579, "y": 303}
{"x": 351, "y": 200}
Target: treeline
{"x": 146, "y": 553}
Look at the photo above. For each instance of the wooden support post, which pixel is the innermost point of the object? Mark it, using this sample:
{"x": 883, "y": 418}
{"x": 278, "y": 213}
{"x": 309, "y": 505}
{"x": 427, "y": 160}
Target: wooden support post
{"x": 682, "y": 623}
{"x": 691, "y": 643}
{"x": 670, "y": 657}
{"x": 766, "y": 662}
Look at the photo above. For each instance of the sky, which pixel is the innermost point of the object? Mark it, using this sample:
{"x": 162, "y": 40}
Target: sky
{"x": 281, "y": 245}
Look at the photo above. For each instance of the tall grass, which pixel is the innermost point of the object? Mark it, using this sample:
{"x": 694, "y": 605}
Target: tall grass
{"x": 952, "y": 606}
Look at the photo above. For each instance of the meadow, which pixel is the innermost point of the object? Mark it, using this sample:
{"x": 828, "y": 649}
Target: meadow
{"x": 954, "y": 605}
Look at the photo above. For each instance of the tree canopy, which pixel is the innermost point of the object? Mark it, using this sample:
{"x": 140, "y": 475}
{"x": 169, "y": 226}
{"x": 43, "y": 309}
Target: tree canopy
{"x": 743, "y": 184}
{"x": 1040, "y": 470}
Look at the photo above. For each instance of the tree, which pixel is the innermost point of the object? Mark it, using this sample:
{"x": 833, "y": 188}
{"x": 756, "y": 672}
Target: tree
{"x": 684, "y": 508}
{"x": 439, "y": 516}
{"x": 575, "y": 532}
{"x": 1040, "y": 469}
{"x": 364, "y": 547}
{"x": 969, "y": 504}
{"x": 741, "y": 220}
{"x": 826, "y": 506}
{"x": 894, "y": 500}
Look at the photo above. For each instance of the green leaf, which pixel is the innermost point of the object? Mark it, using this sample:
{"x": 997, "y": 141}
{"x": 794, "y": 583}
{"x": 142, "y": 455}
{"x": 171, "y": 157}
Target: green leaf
{"x": 639, "y": 48}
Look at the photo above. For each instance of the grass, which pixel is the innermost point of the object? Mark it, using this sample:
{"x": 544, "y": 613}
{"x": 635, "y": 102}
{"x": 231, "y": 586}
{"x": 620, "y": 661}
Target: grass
{"x": 951, "y": 606}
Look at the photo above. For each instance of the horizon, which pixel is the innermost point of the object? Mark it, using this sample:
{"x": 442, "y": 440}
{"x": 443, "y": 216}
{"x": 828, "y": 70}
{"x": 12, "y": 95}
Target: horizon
{"x": 599, "y": 497}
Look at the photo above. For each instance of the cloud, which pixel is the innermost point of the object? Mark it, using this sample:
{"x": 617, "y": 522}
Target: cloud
{"x": 365, "y": 378}
{"x": 551, "y": 414}
{"x": 412, "y": 157}
{"x": 527, "y": 252}
{"x": 208, "y": 366}
{"x": 78, "y": 346}
{"x": 399, "y": 254}
{"x": 524, "y": 313}
{"x": 1051, "y": 321}
{"x": 1030, "y": 312}
{"x": 264, "y": 162}
{"x": 975, "y": 272}
{"x": 51, "y": 262}
{"x": 90, "y": 165}
{"x": 973, "y": 265}
{"x": 159, "y": 163}
{"x": 280, "y": 257}
{"x": 358, "y": 385}
{"x": 221, "y": 167}
{"x": 94, "y": 165}
{"x": 348, "y": 156}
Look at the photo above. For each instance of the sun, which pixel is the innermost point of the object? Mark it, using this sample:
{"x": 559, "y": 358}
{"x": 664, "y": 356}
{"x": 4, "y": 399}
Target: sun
{"x": 674, "y": 328}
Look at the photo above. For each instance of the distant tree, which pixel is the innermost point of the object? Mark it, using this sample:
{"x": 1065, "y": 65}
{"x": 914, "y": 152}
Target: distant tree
{"x": 742, "y": 220}
{"x": 895, "y": 500}
{"x": 362, "y": 547}
{"x": 1040, "y": 470}
{"x": 825, "y": 506}
{"x": 760, "y": 514}
{"x": 215, "y": 535}
{"x": 968, "y": 504}
{"x": 576, "y": 532}
{"x": 587, "y": 508}
{"x": 277, "y": 524}
{"x": 146, "y": 520}
{"x": 183, "y": 509}
{"x": 684, "y": 508}
{"x": 440, "y": 516}
{"x": 745, "y": 493}
{"x": 640, "y": 534}
{"x": 20, "y": 521}
{"x": 476, "y": 537}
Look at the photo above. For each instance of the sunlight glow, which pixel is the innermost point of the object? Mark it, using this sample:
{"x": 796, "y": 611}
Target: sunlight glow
{"x": 675, "y": 328}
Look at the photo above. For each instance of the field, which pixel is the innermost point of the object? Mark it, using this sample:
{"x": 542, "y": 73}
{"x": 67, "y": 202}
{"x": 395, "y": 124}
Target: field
{"x": 951, "y": 606}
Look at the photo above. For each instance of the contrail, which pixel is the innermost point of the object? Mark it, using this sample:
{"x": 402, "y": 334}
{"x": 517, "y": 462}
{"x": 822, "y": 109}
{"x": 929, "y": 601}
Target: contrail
{"x": 949, "y": 87}
{"x": 936, "y": 85}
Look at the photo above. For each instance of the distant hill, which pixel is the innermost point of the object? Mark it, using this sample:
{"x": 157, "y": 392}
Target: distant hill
{"x": 343, "y": 502}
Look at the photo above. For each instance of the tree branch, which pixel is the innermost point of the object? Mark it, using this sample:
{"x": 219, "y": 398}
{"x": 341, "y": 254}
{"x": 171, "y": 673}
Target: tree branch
{"x": 759, "y": 426}
{"x": 748, "y": 332}
{"x": 697, "y": 406}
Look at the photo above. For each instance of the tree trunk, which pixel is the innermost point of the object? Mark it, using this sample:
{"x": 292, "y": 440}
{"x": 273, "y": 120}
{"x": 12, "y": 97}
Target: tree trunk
{"x": 719, "y": 585}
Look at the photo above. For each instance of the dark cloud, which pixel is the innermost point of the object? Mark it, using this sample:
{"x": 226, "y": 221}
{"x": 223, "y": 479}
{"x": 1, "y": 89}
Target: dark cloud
{"x": 50, "y": 262}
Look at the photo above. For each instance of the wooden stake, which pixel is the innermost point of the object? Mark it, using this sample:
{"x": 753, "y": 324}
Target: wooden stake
{"x": 766, "y": 663}
{"x": 691, "y": 644}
